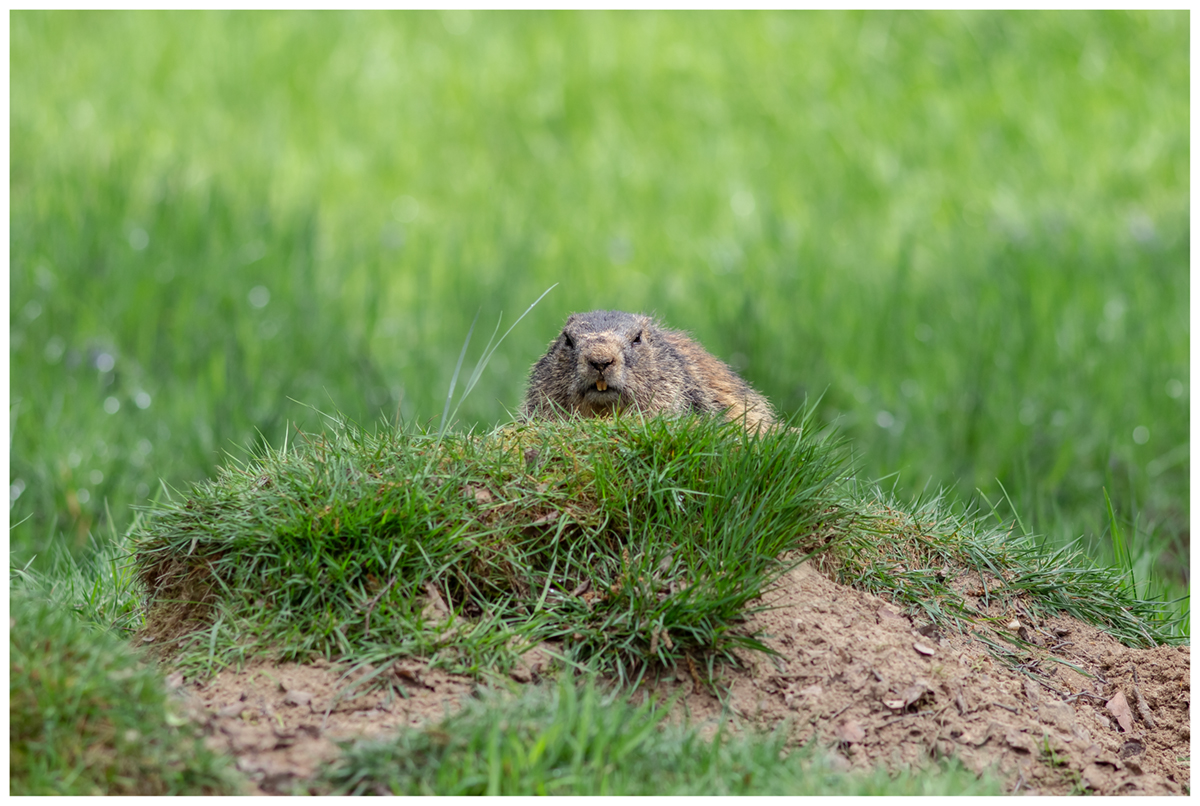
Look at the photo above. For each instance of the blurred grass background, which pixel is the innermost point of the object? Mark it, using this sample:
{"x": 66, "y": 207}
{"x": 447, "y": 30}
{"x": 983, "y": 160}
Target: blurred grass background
{"x": 967, "y": 233}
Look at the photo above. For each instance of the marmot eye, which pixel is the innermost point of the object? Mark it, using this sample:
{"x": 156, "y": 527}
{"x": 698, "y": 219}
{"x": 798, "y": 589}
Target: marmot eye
{"x": 638, "y": 338}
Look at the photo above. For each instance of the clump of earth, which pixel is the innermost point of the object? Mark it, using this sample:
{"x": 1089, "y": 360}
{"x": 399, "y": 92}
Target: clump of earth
{"x": 1090, "y": 716}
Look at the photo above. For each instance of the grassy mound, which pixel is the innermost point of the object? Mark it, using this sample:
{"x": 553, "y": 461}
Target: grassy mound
{"x": 625, "y": 541}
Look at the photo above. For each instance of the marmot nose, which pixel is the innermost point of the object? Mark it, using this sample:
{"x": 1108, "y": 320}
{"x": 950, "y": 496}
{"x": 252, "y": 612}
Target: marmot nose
{"x": 600, "y": 364}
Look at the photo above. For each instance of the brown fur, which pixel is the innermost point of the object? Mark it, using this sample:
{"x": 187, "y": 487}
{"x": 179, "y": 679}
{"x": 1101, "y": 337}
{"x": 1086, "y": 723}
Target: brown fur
{"x": 610, "y": 361}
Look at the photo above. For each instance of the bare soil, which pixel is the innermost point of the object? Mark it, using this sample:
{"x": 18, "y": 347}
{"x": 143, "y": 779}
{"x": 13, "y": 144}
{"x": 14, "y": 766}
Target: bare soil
{"x": 851, "y": 672}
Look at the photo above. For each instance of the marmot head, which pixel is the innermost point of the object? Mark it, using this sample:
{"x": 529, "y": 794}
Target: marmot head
{"x": 600, "y": 352}
{"x": 605, "y": 362}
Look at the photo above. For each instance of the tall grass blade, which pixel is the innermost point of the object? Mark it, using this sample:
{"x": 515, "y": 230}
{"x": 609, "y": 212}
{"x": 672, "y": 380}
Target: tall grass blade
{"x": 1120, "y": 545}
{"x": 454, "y": 378}
{"x": 488, "y": 351}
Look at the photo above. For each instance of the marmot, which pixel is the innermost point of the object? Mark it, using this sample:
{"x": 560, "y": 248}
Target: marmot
{"x": 609, "y": 361}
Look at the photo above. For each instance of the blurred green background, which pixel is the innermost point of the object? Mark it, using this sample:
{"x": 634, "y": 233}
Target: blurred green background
{"x": 967, "y": 234}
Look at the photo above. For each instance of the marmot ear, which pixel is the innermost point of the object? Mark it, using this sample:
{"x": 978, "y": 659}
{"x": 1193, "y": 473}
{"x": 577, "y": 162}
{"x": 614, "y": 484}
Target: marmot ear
{"x": 568, "y": 341}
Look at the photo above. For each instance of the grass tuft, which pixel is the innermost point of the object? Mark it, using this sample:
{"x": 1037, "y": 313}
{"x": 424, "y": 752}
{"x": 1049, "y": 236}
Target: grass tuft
{"x": 100, "y": 586}
{"x": 957, "y": 568}
{"x": 582, "y": 741}
{"x": 87, "y": 718}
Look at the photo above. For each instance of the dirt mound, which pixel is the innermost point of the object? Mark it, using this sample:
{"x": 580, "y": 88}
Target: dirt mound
{"x": 851, "y": 671}
{"x": 1081, "y": 713}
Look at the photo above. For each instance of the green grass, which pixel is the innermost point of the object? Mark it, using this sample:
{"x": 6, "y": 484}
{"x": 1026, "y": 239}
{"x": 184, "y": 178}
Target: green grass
{"x": 924, "y": 554}
{"x": 86, "y": 717}
{"x": 579, "y": 741}
{"x": 628, "y": 542}
{"x": 100, "y": 586}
